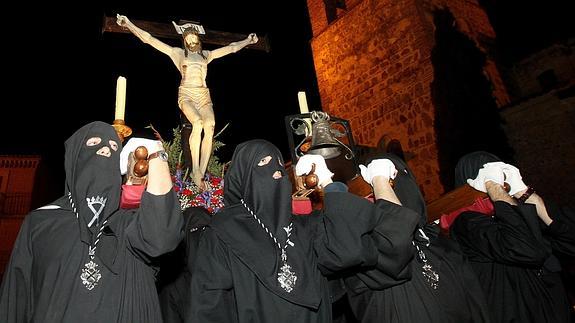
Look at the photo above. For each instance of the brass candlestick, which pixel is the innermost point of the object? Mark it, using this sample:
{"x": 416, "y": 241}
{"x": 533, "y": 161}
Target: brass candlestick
{"x": 122, "y": 130}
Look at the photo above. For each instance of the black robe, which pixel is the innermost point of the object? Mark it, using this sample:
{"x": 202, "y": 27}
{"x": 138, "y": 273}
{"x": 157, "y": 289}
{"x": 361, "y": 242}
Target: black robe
{"x": 176, "y": 268}
{"x": 378, "y": 297}
{"x": 404, "y": 294}
{"x": 561, "y": 232}
{"x": 235, "y": 275}
{"x": 514, "y": 262}
{"x": 333, "y": 241}
{"x": 43, "y": 280}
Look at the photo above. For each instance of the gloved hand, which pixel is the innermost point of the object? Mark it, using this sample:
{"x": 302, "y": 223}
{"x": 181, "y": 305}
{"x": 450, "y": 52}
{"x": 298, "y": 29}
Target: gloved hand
{"x": 151, "y": 145}
{"x": 378, "y": 167}
{"x": 304, "y": 166}
{"x": 514, "y": 179}
{"x": 489, "y": 172}
{"x": 499, "y": 164}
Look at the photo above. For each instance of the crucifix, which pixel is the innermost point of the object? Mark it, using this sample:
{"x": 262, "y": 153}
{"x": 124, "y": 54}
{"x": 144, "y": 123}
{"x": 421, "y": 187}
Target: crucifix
{"x": 192, "y": 61}
{"x": 167, "y": 30}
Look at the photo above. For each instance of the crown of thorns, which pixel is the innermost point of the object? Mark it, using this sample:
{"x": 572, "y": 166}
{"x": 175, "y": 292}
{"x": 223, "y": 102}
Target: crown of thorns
{"x": 190, "y": 30}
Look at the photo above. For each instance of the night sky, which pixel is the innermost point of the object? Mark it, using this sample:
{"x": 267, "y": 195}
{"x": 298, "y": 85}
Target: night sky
{"x": 61, "y": 70}
{"x": 68, "y": 69}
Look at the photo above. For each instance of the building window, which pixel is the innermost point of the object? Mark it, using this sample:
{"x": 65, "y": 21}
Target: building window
{"x": 547, "y": 80}
{"x": 333, "y": 9}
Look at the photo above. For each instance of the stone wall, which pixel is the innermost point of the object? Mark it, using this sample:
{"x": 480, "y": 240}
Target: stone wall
{"x": 541, "y": 131}
{"x": 527, "y": 77}
{"x": 373, "y": 66}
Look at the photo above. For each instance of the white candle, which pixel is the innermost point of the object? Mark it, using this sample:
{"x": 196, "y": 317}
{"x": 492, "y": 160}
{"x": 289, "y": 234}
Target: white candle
{"x": 120, "y": 98}
{"x": 302, "y": 102}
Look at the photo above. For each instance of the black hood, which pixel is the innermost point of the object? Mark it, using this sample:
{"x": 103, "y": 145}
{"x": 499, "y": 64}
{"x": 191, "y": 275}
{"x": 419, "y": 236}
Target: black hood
{"x": 469, "y": 165}
{"x": 269, "y": 198}
{"x": 93, "y": 179}
{"x": 253, "y": 176}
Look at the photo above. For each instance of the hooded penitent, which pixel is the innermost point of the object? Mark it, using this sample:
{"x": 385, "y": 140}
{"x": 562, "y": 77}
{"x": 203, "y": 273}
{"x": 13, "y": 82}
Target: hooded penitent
{"x": 513, "y": 254}
{"x": 81, "y": 259}
{"x": 407, "y": 191}
{"x": 258, "y": 177}
{"x": 93, "y": 179}
{"x": 438, "y": 286}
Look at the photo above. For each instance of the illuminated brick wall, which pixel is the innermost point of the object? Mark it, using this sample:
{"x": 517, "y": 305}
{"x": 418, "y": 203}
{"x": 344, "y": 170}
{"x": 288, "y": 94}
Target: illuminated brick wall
{"x": 373, "y": 66}
{"x": 17, "y": 177}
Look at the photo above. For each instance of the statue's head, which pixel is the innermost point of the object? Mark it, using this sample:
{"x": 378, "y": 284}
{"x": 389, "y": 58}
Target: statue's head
{"x": 192, "y": 39}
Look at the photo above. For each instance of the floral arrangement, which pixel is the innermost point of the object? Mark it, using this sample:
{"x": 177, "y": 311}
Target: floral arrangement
{"x": 212, "y": 199}
{"x": 189, "y": 194}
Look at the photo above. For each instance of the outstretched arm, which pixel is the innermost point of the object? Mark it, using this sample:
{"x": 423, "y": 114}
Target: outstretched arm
{"x": 234, "y": 47}
{"x": 144, "y": 35}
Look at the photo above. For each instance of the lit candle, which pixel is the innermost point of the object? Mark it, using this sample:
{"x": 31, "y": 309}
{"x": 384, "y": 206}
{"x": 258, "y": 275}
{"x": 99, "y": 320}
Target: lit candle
{"x": 120, "y": 98}
{"x": 302, "y": 102}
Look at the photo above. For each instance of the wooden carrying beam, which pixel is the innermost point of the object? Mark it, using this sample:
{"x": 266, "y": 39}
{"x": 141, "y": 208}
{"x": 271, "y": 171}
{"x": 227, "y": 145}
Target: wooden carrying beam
{"x": 164, "y": 30}
{"x": 453, "y": 200}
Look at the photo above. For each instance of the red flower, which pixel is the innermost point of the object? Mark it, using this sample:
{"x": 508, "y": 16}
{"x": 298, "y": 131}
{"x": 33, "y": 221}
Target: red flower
{"x": 216, "y": 180}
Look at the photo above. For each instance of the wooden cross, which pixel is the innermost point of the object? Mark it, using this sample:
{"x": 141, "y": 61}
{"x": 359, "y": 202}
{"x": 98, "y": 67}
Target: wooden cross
{"x": 164, "y": 30}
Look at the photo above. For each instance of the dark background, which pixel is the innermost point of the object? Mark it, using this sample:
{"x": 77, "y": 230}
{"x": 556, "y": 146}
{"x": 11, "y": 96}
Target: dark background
{"x": 60, "y": 70}
{"x": 65, "y": 70}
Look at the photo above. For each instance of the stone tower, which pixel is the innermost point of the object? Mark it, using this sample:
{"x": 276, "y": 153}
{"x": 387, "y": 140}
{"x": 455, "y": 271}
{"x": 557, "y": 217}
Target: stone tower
{"x": 392, "y": 68}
